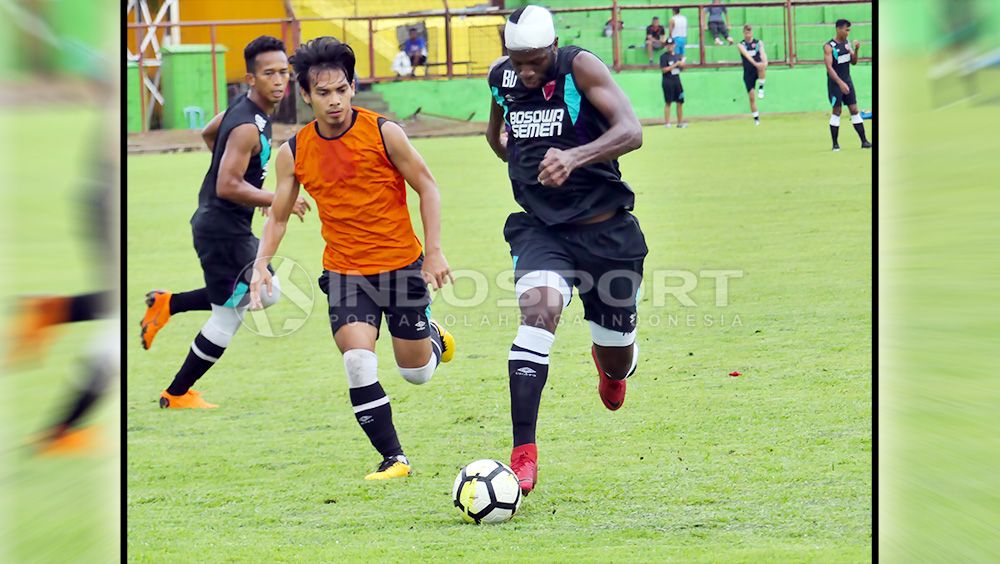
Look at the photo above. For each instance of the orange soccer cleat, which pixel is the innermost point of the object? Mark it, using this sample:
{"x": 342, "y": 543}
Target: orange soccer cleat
{"x": 157, "y": 316}
{"x": 190, "y": 400}
{"x": 31, "y": 332}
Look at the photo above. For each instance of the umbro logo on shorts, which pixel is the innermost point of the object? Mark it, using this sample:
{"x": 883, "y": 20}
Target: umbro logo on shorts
{"x": 420, "y": 325}
{"x": 525, "y": 371}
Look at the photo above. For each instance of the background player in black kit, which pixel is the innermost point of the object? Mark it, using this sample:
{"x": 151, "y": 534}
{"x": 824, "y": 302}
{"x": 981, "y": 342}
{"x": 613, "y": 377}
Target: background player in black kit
{"x": 241, "y": 146}
{"x": 839, "y": 56}
{"x": 754, "y": 66}
{"x": 567, "y": 122}
{"x": 671, "y": 65}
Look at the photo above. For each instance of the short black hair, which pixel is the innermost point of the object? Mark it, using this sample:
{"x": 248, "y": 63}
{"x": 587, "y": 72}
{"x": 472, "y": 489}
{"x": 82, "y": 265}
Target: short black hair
{"x": 412, "y": 29}
{"x": 322, "y": 53}
{"x": 262, "y": 44}
{"x": 677, "y": 10}
{"x": 656, "y": 17}
{"x": 843, "y": 23}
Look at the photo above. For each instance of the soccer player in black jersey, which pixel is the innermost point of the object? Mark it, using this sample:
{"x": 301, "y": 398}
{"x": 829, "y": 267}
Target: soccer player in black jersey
{"x": 754, "y": 66}
{"x": 839, "y": 55}
{"x": 566, "y": 122}
{"x": 240, "y": 141}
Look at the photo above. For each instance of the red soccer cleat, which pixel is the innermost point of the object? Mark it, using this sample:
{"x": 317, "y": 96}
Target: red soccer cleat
{"x": 612, "y": 392}
{"x": 524, "y": 463}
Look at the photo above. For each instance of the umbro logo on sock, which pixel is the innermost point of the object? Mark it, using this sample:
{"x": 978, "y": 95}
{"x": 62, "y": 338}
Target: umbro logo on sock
{"x": 525, "y": 371}
{"x": 365, "y": 419}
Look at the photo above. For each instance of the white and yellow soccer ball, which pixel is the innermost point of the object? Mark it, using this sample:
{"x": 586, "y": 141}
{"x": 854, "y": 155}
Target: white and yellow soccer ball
{"x": 486, "y": 491}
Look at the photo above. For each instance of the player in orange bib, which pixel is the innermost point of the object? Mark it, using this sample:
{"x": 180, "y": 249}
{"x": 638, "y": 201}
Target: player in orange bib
{"x": 355, "y": 164}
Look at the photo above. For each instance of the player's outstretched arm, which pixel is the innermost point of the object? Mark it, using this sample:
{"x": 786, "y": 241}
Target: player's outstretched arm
{"x": 411, "y": 165}
{"x": 286, "y": 202}
{"x": 230, "y": 184}
{"x": 211, "y": 131}
{"x": 624, "y": 135}
{"x": 854, "y": 52}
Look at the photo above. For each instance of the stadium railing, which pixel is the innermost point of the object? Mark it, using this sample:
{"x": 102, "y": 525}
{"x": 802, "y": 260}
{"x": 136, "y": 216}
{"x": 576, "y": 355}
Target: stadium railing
{"x": 464, "y": 42}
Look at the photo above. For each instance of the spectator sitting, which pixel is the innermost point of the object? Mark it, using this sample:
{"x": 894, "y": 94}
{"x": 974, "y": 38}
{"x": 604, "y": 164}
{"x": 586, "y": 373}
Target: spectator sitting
{"x": 718, "y": 22}
{"x": 607, "y": 27}
{"x": 401, "y": 63}
{"x": 654, "y": 37}
{"x": 416, "y": 48}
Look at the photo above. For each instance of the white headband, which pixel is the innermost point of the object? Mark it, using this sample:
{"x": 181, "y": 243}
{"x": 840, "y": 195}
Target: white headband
{"x": 529, "y": 28}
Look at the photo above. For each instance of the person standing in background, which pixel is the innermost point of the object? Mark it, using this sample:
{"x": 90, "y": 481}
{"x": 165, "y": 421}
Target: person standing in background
{"x": 671, "y": 65}
{"x": 678, "y": 28}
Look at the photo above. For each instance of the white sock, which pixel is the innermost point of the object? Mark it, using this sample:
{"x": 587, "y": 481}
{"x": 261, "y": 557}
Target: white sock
{"x": 756, "y": 115}
{"x": 856, "y": 119}
{"x": 760, "y": 83}
{"x": 420, "y": 375}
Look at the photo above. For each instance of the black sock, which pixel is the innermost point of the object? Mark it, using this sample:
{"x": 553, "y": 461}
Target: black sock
{"x": 376, "y": 421}
{"x": 98, "y": 376}
{"x": 437, "y": 344}
{"x": 527, "y": 379}
{"x": 86, "y": 307}
{"x": 860, "y": 128}
{"x": 195, "y": 365}
{"x": 834, "y": 130}
{"x": 195, "y": 300}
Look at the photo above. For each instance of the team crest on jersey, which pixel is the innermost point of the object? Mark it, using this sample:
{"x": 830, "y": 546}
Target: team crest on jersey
{"x": 261, "y": 122}
{"x": 549, "y": 89}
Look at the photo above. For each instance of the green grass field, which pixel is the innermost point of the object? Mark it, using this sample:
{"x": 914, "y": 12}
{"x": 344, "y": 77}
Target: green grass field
{"x": 940, "y": 258}
{"x": 774, "y": 465}
{"x": 63, "y": 509}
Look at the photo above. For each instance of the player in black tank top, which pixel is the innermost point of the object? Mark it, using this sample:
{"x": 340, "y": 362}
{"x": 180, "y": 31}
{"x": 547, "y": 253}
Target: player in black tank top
{"x": 560, "y": 122}
{"x": 839, "y": 55}
{"x": 240, "y": 141}
{"x": 754, "y": 65}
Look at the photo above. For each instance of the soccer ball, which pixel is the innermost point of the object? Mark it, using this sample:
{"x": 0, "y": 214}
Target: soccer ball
{"x": 486, "y": 491}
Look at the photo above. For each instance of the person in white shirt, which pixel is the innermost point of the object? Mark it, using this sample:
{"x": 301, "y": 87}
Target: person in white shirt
{"x": 401, "y": 63}
{"x": 678, "y": 27}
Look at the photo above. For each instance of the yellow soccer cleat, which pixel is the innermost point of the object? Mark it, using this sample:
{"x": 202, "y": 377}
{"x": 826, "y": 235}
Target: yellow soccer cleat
{"x": 447, "y": 342}
{"x": 392, "y": 467}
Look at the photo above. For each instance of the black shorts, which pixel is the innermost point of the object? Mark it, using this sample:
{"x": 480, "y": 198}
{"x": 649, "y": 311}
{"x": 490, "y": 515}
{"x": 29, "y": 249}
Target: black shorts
{"x": 603, "y": 260}
{"x": 228, "y": 266}
{"x": 718, "y": 30}
{"x": 401, "y": 295}
{"x": 673, "y": 92}
{"x": 750, "y": 79}
{"x": 837, "y": 97}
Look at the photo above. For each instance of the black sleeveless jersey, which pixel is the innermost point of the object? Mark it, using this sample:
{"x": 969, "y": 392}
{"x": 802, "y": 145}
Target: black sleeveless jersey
{"x": 555, "y": 115}
{"x": 841, "y": 59}
{"x": 215, "y": 216}
{"x": 753, "y": 49}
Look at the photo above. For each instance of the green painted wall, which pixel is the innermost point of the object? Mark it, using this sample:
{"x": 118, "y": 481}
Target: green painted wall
{"x": 708, "y": 92}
